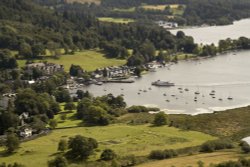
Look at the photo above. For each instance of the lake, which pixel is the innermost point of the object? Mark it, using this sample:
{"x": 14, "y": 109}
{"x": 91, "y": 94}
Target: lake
{"x": 228, "y": 75}
{"x": 212, "y": 34}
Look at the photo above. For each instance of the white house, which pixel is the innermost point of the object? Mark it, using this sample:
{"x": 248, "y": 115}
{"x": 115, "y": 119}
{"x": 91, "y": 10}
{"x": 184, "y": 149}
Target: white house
{"x": 26, "y": 132}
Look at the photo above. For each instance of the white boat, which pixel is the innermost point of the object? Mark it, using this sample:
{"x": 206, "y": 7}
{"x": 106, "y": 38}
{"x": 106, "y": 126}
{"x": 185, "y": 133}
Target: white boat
{"x": 163, "y": 83}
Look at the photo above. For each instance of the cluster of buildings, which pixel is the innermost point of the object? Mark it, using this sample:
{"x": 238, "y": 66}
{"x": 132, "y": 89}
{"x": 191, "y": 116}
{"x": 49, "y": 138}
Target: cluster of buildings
{"x": 166, "y": 24}
{"x": 46, "y": 68}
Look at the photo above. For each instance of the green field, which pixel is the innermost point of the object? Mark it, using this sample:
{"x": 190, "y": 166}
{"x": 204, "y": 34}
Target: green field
{"x": 206, "y": 158}
{"x": 70, "y": 120}
{"x": 132, "y": 9}
{"x": 124, "y": 139}
{"x": 89, "y": 60}
{"x": 116, "y": 20}
{"x": 84, "y": 1}
{"x": 175, "y": 8}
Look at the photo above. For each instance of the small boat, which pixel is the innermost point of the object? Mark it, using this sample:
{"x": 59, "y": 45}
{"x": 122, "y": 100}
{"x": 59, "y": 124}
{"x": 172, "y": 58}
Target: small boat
{"x": 213, "y": 91}
{"x": 211, "y": 94}
{"x": 195, "y": 100}
{"x": 213, "y": 97}
{"x": 163, "y": 83}
{"x": 144, "y": 90}
{"x": 167, "y": 101}
{"x": 186, "y": 89}
{"x": 138, "y": 93}
{"x": 173, "y": 95}
{"x": 149, "y": 88}
{"x": 99, "y": 83}
{"x": 181, "y": 91}
{"x": 122, "y": 89}
{"x": 230, "y": 98}
{"x": 197, "y": 92}
{"x": 180, "y": 88}
{"x": 164, "y": 94}
{"x": 220, "y": 99}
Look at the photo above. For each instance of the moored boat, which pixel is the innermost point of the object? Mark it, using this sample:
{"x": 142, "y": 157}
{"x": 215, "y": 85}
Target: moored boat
{"x": 163, "y": 83}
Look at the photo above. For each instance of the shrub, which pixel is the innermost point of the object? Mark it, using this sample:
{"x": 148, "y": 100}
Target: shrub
{"x": 108, "y": 154}
{"x": 137, "y": 109}
{"x": 245, "y": 147}
{"x": 220, "y": 144}
{"x": 165, "y": 154}
{"x": 160, "y": 119}
{"x": 59, "y": 161}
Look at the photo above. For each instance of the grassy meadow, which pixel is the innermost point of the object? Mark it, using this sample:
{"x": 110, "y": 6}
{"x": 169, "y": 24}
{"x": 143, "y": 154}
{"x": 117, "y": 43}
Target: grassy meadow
{"x": 175, "y": 8}
{"x": 132, "y": 9}
{"x": 85, "y": 1}
{"x": 192, "y": 160}
{"x": 116, "y": 20}
{"x": 88, "y": 60}
{"x": 123, "y": 139}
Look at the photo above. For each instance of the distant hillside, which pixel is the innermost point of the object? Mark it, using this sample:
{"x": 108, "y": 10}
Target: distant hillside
{"x": 84, "y": 1}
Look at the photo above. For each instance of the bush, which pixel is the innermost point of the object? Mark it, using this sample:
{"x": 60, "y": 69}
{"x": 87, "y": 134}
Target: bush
{"x": 12, "y": 143}
{"x": 137, "y": 109}
{"x": 108, "y": 154}
{"x": 165, "y": 154}
{"x": 245, "y": 147}
{"x": 220, "y": 144}
{"x": 69, "y": 106}
{"x": 59, "y": 161}
{"x": 160, "y": 119}
{"x": 62, "y": 145}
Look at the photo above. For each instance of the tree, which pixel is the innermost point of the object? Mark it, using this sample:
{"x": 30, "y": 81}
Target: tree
{"x": 25, "y": 50}
{"x": 108, "y": 155}
{"x": 62, "y": 145}
{"x": 59, "y": 161}
{"x": 53, "y": 123}
{"x": 138, "y": 71}
{"x": 95, "y": 115}
{"x": 75, "y": 70}
{"x": 12, "y": 143}
{"x": 69, "y": 106}
{"x": 160, "y": 119}
{"x": 81, "y": 147}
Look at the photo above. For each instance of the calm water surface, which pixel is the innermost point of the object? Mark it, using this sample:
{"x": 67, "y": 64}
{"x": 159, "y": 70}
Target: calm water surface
{"x": 228, "y": 75}
{"x": 209, "y": 35}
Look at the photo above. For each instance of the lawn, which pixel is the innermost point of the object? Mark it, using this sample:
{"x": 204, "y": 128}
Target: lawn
{"x": 123, "y": 139}
{"x": 206, "y": 158}
{"x": 154, "y": 7}
{"x": 175, "y": 8}
{"x": 85, "y": 1}
{"x": 132, "y": 9}
{"x": 69, "y": 120}
{"x": 116, "y": 20}
{"x": 88, "y": 60}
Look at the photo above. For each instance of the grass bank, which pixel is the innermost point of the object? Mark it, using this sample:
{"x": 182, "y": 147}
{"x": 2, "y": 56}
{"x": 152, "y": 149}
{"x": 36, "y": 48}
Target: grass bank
{"x": 116, "y": 20}
{"x": 192, "y": 160}
{"x": 122, "y": 138}
{"x": 87, "y": 59}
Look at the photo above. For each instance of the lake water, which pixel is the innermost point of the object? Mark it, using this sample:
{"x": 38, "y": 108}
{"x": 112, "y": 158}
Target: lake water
{"x": 227, "y": 74}
{"x": 209, "y": 35}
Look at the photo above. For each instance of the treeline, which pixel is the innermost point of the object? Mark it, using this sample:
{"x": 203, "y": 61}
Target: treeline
{"x": 219, "y": 12}
{"x": 71, "y": 27}
{"x": 197, "y": 12}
